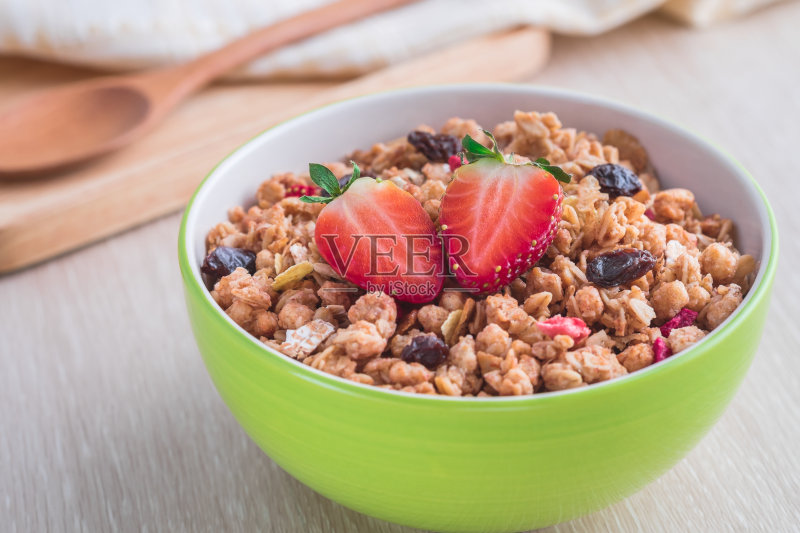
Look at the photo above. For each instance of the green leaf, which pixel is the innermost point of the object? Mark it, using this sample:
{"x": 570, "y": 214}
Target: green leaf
{"x": 471, "y": 145}
{"x": 356, "y": 174}
{"x": 557, "y": 172}
{"x": 495, "y": 149}
{"x": 316, "y": 199}
{"x": 473, "y": 150}
{"x": 323, "y": 177}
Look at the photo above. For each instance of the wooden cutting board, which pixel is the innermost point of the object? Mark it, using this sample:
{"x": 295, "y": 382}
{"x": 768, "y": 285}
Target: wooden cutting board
{"x": 45, "y": 217}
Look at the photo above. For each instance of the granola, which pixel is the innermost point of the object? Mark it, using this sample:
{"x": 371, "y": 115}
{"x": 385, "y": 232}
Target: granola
{"x": 550, "y": 328}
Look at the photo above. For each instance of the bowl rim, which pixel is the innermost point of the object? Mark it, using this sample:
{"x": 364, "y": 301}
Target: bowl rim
{"x": 759, "y": 290}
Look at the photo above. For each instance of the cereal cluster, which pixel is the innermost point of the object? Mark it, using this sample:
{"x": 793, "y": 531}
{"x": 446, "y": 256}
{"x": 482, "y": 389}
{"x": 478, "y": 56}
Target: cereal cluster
{"x": 550, "y": 329}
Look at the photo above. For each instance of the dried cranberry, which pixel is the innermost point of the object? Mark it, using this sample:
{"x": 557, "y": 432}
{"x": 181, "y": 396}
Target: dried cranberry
{"x": 562, "y": 325}
{"x": 224, "y": 260}
{"x": 436, "y": 147}
{"x": 427, "y": 350}
{"x": 660, "y": 350}
{"x": 620, "y": 266}
{"x": 616, "y": 180}
{"x": 301, "y": 190}
{"x": 684, "y": 318}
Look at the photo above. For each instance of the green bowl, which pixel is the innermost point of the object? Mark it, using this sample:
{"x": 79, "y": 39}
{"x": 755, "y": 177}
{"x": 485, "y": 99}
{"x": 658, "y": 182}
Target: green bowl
{"x": 476, "y": 464}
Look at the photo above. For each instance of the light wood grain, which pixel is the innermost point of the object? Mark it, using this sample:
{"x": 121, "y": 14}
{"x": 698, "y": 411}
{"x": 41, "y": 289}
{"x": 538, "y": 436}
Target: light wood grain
{"x": 158, "y": 174}
{"x": 56, "y": 128}
{"x": 109, "y": 421}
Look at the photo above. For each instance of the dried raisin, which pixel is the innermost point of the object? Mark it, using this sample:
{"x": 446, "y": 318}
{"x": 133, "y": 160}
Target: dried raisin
{"x": 619, "y": 267}
{"x": 616, "y": 180}
{"x": 224, "y": 260}
{"x": 436, "y": 147}
{"x": 427, "y": 350}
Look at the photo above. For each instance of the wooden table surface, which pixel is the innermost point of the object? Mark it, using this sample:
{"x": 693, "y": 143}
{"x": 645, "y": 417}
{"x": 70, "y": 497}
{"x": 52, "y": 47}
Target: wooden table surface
{"x": 109, "y": 421}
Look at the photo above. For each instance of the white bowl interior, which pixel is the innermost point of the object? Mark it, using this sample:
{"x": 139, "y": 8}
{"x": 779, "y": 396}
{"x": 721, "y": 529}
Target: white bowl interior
{"x": 681, "y": 159}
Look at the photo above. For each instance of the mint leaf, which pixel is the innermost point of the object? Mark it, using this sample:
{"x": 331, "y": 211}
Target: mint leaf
{"x": 495, "y": 149}
{"x": 315, "y": 199}
{"x": 356, "y": 174}
{"x": 473, "y": 150}
{"x": 471, "y": 145}
{"x": 556, "y": 171}
{"x": 323, "y": 177}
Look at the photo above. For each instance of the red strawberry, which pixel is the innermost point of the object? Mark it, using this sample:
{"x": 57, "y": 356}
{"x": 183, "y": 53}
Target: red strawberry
{"x": 377, "y": 236}
{"x": 498, "y": 218}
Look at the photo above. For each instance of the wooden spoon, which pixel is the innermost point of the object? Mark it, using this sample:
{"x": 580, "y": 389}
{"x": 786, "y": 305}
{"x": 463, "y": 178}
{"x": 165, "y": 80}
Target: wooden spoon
{"x": 60, "y": 127}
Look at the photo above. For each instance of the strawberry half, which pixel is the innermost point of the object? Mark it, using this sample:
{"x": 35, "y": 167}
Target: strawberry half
{"x": 498, "y": 218}
{"x": 377, "y": 236}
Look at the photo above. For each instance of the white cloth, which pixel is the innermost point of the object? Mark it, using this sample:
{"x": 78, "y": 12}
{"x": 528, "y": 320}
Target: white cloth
{"x": 123, "y": 34}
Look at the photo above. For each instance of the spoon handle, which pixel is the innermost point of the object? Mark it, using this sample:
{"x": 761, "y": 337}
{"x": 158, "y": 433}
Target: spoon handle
{"x": 173, "y": 83}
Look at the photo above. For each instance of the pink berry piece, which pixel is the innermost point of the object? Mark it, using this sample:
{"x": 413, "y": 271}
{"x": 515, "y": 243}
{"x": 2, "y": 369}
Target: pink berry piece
{"x": 562, "y": 325}
{"x": 649, "y": 213}
{"x": 454, "y": 161}
{"x": 660, "y": 350}
{"x": 301, "y": 190}
{"x": 684, "y": 318}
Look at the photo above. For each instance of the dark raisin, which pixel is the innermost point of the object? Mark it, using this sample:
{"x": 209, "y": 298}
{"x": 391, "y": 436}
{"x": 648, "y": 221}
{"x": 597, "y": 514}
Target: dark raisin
{"x": 427, "y": 350}
{"x": 343, "y": 181}
{"x": 616, "y": 180}
{"x": 436, "y": 147}
{"x": 619, "y": 267}
{"x": 224, "y": 260}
